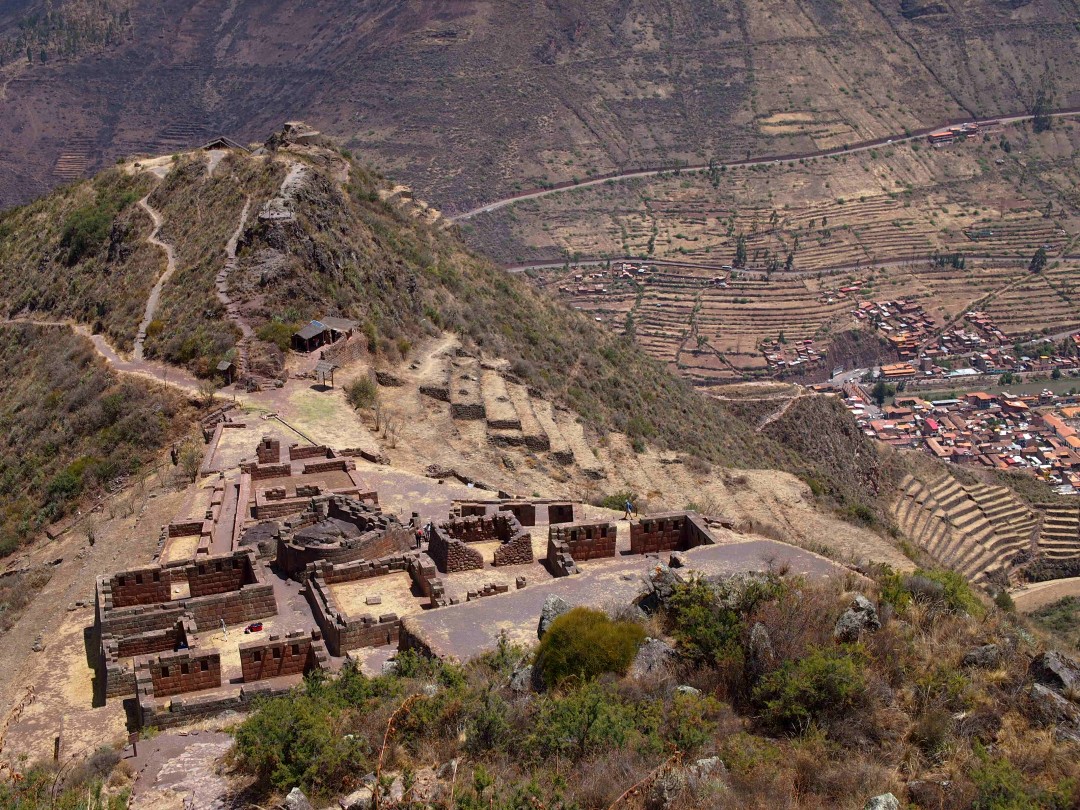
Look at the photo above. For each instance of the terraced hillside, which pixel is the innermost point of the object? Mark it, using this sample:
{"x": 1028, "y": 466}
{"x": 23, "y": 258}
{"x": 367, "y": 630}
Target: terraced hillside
{"x": 951, "y": 229}
{"x": 985, "y": 531}
{"x": 468, "y": 101}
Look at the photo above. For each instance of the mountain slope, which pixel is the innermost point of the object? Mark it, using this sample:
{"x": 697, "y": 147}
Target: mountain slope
{"x": 466, "y": 100}
{"x": 342, "y": 244}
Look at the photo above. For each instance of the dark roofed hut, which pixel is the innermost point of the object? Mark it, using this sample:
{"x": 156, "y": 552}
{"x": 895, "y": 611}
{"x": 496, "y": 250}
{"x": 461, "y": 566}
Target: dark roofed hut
{"x": 311, "y": 337}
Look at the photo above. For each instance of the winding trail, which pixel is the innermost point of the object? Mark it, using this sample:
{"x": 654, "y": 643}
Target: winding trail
{"x": 232, "y": 309}
{"x": 861, "y": 146}
{"x": 147, "y": 369}
{"x": 155, "y": 292}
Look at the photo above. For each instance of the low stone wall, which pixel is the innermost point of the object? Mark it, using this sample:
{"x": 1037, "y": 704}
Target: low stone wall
{"x": 297, "y": 654}
{"x": 515, "y": 551}
{"x": 673, "y": 531}
{"x": 260, "y": 472}
{"x": 329, "y": 465}
{"x": 451, "y": 555}
{"x": 116, "y": 654}
{"x": 425, "y": 574}
{"x": 299, "y": 452}
{"x": 180, "y": 712}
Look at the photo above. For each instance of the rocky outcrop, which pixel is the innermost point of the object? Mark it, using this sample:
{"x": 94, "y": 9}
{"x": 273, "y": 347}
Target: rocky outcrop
{"x": 987, "y": 656}
{"x": 654, "y": 659}
{"x": 861, "y": 617}
{"x": 554, "y": 607}
{"x": 1056, "y": 671}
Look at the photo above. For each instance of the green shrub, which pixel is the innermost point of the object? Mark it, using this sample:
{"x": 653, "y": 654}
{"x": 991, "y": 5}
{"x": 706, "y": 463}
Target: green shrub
{"x": 276, "y": 332}
{"x": 591, "y": 718}
{"x": 617, "y": 501}
{"x": 956, "y": 593}
{"x": 705, "y": 630}
{"x": 585, "y": 643}
{"x": 1001, "y": 786}
{"x": 362, "y": 392}
{"x": 825, "y": 684}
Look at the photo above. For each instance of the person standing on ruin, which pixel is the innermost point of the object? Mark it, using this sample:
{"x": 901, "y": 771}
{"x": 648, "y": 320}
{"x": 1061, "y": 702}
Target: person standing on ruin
{"x": 629, "y": 506}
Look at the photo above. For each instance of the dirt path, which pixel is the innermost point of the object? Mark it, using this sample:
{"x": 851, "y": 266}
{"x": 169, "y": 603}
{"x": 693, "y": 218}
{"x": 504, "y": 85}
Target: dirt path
{"x": 155, "y": 293}
{"x": 768, "y": 420}
{"x": 147, "y": 369}
{"x": 1040, "y": 594}
{"x": 232, "y": 309}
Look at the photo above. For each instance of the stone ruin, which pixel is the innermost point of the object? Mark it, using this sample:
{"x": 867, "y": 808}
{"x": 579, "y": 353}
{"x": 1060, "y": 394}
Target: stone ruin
{"x": 448, "y": 542}
{"x": 339, "y": 529}
{"x": 571, "y": 543}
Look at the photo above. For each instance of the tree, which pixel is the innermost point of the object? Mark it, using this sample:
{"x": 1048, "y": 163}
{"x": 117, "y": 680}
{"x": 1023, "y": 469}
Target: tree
{"x": 1038, "y": 261}
{"x": 190, "y": 459}
{"x": 1041, "y": 119}
{"x": 789, "y": 262}
{"x": 882, "y": 391}
{"x": 740, "y": 252}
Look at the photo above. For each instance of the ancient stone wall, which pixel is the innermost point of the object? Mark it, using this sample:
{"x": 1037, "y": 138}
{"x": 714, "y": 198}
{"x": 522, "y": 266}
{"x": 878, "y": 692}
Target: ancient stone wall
{"x": 185, "y": 528}
{"x": 451, "y": 555}
{"x": 673, "y": 531}
{"x": 586, "y": 541}
{"x": 342, "y": 632}
{"x": 298, "y": 452}
{"x": 220, "y": 574}
{"x": 182, "y": 711}
{"x": 560, "y": 513}
{"x": 515, "y": 551}
{"x": 178, "y": 672}
{"x": 342, "y": 464}
{"x": 425, "y": 574}
{"x": 297, "y": 654}
{"x": 268, "y": 451}
{"x": 142, "y": 586}
{"x": 524, "y": 512}
{"x": 251, "y": 602}
{"x": 261, "y": 472}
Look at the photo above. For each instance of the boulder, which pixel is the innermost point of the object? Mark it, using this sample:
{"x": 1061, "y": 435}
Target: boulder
{"x": 886, "y": 801}
{"x": 1056, "y": 671}
{"x": 683, "y": 689}
{"x": 359, "y": 799}
{"x": 296, "y": 800}
{"x": 987, "y": 656}
{"x": 861, "y": 617}
{"x": 522, "y": 679}
{"x": 1050, "y": 708}
{"x": 554, "y": 607}
{"x": 666, "y": 788}
{"x": 676, "y": 560}
{"x": 426, "y": 789}
{"x": 659, "y": 589}
{"x": 653, "y": 659}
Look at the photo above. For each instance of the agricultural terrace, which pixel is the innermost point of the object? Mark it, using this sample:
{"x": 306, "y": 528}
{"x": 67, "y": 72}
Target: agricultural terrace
{"x": 809, "y": 233}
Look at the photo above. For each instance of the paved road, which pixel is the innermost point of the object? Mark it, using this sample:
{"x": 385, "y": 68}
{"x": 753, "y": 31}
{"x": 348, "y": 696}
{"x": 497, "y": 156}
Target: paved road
{"x": 861, "y": 146}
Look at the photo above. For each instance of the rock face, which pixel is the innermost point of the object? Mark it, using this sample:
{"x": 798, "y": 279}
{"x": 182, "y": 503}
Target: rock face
{"x": 653, "y": 659}
{"x": 554, "y": 607}
{"x": 886, "y": 801}
{"x": 360, "y": 799}
{"x": 861, "y": 617}
{"x": 984, "y": 657}
{"x": 1056, "y": 671}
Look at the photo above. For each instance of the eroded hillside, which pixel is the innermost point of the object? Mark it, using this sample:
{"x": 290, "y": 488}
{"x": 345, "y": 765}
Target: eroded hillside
{"x": 468, "y": 101}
